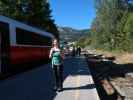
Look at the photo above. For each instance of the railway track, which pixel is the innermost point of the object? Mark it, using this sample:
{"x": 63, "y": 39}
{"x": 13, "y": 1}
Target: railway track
{"x": 101, "y": 68}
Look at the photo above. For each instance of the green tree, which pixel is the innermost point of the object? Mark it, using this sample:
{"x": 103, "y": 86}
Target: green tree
{"x": 111, "y": 18}
{"x": 40, "y": 15}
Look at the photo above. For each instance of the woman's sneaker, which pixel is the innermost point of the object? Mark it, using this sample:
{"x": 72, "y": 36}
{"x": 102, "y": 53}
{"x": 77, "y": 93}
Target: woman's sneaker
{"x": 60, "y": 89}
{"x": 55, "y": 88}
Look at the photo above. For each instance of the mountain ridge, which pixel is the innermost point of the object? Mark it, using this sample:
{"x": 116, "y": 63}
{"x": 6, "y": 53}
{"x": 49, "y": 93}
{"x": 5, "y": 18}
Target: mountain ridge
{"x": 69, "y": 34}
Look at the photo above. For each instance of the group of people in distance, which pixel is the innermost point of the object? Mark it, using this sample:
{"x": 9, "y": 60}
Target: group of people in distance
{"x": 76, "y": 51}
{"x": 57, "y": 56}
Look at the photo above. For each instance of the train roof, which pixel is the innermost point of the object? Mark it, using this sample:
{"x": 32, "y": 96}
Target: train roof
{"x": 24, "y": 26}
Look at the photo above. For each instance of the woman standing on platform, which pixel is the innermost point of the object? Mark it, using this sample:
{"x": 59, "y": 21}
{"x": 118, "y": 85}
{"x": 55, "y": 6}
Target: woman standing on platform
{"x": 57, "y": 57}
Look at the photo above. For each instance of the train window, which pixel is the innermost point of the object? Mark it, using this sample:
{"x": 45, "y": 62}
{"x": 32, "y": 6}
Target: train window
{"x": 4, "y": 31}
{"x": 4, "y": 34}
{"x": 31, "y": 38}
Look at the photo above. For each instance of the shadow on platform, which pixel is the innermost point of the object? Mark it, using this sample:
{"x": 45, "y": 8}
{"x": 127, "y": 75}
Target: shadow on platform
{"x": 89, "y": 86}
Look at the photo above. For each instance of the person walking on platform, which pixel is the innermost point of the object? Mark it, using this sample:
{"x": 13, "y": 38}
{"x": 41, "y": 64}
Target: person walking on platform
{"x": 78, "y": 50}
{"x": 57, "y": 57}
{"x": 73, "y": 51}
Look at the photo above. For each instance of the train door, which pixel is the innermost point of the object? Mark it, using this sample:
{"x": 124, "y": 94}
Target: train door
{"x": 0, "y": 51}
{"x": 4, "y": 47}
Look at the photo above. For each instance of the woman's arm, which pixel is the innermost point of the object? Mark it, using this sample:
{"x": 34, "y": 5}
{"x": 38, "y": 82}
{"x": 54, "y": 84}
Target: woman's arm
{"x": 50, "y": 54}
{"x": 62, "y": 55}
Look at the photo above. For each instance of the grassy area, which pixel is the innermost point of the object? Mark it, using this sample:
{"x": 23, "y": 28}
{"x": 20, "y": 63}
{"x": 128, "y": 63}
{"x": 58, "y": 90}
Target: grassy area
{"x": 120, "y": 57}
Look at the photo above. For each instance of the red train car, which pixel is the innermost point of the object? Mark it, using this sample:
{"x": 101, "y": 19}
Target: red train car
{"x": 21, "y": 43}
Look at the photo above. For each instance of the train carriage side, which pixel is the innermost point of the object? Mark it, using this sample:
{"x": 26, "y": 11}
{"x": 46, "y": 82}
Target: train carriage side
{"x": 22, "y": 44}
{"x": 29, "y": 47}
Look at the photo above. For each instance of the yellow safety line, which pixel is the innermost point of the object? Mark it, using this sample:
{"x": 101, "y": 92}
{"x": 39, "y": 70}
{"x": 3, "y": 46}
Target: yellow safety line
{"x": 77, "y": 93}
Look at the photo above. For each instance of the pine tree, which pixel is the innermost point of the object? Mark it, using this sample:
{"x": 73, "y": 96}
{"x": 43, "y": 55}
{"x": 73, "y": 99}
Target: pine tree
{"x": 39, "y": 13}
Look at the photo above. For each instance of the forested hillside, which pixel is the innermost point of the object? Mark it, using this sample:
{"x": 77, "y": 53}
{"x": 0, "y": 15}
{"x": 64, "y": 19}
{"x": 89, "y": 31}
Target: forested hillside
{"x": 112, "y": 29}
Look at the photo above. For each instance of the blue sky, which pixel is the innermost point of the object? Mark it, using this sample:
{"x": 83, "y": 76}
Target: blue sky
{"x": 131, "y": 1}
{"x": 77, "y": 14}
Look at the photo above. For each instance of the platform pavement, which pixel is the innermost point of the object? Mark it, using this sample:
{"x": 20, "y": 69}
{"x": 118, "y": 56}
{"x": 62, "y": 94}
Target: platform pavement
{"x": 37, "y": 83}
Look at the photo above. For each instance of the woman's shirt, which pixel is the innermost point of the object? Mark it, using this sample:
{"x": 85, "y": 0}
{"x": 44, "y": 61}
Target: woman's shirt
{"x": 56, "y": 56}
